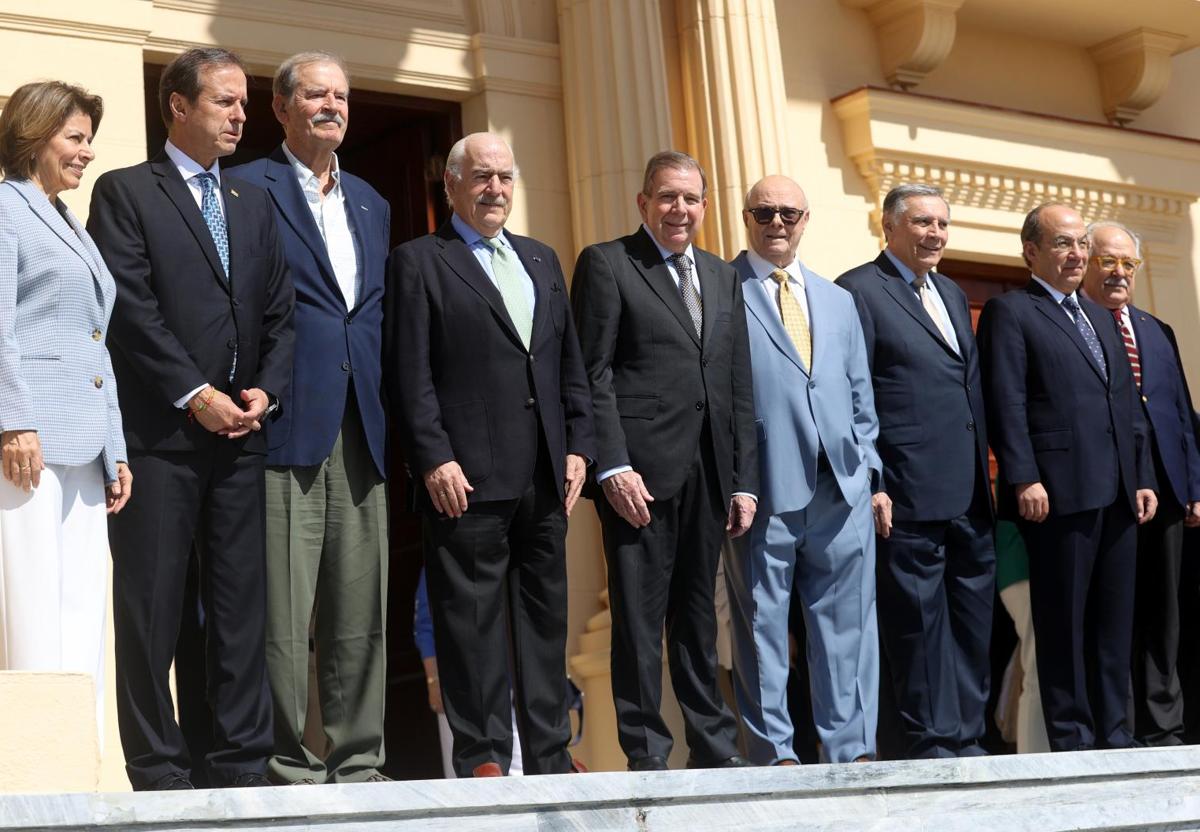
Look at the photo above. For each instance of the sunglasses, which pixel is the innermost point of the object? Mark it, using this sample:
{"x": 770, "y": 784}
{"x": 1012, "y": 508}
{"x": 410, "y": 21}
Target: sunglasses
{"x": 1108, "y": 263}
{"x": 765, "y": 214}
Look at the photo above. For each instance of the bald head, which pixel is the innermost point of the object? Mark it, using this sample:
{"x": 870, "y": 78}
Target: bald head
{"x": 479, "y": 179}
{"x": 775, "y": 240}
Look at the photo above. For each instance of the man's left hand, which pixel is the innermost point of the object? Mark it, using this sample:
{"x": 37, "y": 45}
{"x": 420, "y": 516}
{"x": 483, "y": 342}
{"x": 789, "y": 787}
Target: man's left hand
{"x": 741, "y": 515}
{"x": 255, "y": 406}
{"x": 1192, "y": 518}
{"x": 1147, "y": 504}
{"x": 576, "y": 470}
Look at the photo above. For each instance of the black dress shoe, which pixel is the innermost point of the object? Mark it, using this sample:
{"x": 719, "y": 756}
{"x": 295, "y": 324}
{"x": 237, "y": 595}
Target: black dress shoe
{"x": 736, "y": 761}
{"x": 648, "y": 764}
{"x": 248, "y": 780}
{"x": 174, "y": 781}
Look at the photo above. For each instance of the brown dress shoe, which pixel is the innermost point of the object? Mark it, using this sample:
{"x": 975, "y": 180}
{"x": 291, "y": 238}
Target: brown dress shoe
{"x": 487, "y": 770}
{"x": 786, "y": 763}
{"x": 577, "y": 768}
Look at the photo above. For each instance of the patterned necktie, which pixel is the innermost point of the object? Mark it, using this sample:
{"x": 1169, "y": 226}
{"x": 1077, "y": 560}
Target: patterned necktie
{"x": 687, "y": 290}
{"x": 213, "y": 218}
{"x": 511, "y": 283}
{"x": 1131, "y": 350}
{"x": 1085, "y": 329}
{"x": 794, "y": 320}
{"x": 921, "y": 282}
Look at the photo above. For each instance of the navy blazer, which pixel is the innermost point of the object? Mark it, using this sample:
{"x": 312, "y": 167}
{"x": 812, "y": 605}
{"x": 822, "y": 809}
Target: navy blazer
{"x": 1055, "y": 418}
{"x": 463, "y": 386}
{"x": 1168, "y": 405}
{"x": 932, "y": 427}
{"x": 335, "y": 346}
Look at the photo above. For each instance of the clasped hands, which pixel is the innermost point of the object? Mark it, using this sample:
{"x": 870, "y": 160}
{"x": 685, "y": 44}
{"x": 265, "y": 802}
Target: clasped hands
{"x": 217, "y": 413}
{"x": 1033, "y": 503}
{"x": 629, "y": 498}
{"x": 448, "y": 486}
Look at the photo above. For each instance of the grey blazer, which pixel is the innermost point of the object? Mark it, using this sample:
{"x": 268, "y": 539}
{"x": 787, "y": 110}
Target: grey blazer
{"x": 56, "y": 296}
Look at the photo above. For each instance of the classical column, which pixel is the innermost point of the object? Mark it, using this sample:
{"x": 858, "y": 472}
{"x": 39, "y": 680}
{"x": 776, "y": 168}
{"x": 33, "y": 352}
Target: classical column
{"x": 736, "y": 105}
{"x": 616, "y": 108}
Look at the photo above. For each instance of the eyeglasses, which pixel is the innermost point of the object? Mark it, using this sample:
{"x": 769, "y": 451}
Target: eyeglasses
{"x": 1108, "y": 263}
{"x": 1065, "y": 243}
{"x": 765, "y": 214}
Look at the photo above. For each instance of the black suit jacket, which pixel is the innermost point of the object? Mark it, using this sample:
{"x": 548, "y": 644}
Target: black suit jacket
{"x": 1055, "y": 418}
{"x": 177, "y": 320}
{"x": 932, "y": 426}
{"x": 462, "y": 385}
{"x": 653, "y": 381}
{"x": 1168, "y": 405}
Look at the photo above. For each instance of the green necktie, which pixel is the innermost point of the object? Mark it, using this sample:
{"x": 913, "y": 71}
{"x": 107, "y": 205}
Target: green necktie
{"x": 511, "y": 283}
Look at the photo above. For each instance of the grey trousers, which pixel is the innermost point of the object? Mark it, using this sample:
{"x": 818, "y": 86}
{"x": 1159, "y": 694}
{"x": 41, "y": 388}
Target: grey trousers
{"x": 327, "y": 557}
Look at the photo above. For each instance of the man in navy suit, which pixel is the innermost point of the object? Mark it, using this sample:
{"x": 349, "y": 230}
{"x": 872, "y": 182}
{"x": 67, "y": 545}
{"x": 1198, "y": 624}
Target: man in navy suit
{"x": 815, "y": 416}
{"x": 1071, "y": 440}
{"x": 936, "y": 559}
{"x": 489, "y": 389}
{"x": 325, "y": 502}
{"x": 1158, "y": 374}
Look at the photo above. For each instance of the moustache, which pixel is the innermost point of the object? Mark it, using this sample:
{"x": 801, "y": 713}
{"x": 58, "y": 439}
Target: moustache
{"x": 1117, "y": 281}
{"x": 323, "y": 118}
{"x": 499, "y": 201}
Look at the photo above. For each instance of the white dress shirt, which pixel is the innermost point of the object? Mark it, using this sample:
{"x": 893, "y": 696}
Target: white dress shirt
{"x": 1059, "y": 297}
{"x": 329, "y": 212}
{"x": 763, "y": 270}
{"x": 931, "y": 289}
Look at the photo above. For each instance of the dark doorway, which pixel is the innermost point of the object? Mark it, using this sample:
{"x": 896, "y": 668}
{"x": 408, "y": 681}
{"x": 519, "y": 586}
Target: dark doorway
{"x": 398, "y": 144}
{"x": 983, "y": 281}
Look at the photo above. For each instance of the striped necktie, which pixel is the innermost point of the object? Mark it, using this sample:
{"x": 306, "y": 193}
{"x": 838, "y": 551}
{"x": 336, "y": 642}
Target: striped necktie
{"x": 1131, "y": 350}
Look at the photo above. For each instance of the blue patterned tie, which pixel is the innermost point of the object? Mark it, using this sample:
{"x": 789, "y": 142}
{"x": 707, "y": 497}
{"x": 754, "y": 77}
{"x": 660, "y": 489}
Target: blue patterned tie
{"x": 213, "y": 218}
{"x": 1085, "y": 329}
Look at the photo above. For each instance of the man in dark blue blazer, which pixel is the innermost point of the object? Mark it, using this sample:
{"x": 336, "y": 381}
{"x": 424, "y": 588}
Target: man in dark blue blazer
{"x": 1071, "y": 440}
{"x": 485, "y": 374}
{"x": 325, "y": 498}
{"x": 1158, "y": 373}
{"x": 936, "y": 560}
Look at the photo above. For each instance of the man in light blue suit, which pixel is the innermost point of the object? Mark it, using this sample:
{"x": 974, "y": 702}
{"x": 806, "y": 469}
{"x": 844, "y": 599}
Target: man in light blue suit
{"x": 815, "y": 415}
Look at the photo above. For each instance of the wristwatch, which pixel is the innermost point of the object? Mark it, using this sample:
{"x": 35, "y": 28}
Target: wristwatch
{"x": 272, "y": 406}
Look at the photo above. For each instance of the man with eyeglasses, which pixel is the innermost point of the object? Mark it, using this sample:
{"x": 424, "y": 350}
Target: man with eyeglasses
{"x": 933, "y": 511}
{"x": 662, "y": 325}
{"x": 1153, "y": 355}
{"x": 1071, "y": 440}
{"x": 817, "y": 471}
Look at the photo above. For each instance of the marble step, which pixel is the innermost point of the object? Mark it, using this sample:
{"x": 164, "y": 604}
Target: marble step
{"x": 1146, "y": 789}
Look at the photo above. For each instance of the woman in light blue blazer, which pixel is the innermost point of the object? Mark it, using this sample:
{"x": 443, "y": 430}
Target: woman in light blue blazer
{"x": 62, "y": 454}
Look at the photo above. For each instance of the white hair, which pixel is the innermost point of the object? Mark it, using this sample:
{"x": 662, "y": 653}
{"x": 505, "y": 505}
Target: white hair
{"x": 1099, "y": 224}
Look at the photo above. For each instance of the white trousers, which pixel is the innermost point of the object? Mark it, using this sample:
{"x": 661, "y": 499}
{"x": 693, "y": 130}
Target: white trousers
{"x": 54, "y": 574}
{"x": 1031, "y": 724}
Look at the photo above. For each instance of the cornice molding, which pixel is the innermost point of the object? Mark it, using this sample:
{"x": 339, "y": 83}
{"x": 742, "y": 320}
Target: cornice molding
{"x": 73, "y": 28}
{"x": 913, "y": 36}
{"x": 1135, "y": 69}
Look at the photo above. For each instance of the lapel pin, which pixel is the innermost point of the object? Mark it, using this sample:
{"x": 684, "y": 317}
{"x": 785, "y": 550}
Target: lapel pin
{"x": 537, "y": 259}
{"x": 365, "y": 208}
{"x": 232, "y": 191}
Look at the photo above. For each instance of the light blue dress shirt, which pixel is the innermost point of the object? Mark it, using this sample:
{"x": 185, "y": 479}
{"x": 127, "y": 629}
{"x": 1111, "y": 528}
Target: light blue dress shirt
{"x": 483, "y": 253}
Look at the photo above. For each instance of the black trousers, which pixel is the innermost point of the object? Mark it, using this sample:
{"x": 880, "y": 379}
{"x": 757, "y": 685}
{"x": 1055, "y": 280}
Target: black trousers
{"x": 1157, "y": 694}
{"x": 1082, "y": 568}
{"x": 665, "y": 573}
{"x": 497, "y": 576}
{"x": 935, "y": 586}
{"x": 214, "y": 499}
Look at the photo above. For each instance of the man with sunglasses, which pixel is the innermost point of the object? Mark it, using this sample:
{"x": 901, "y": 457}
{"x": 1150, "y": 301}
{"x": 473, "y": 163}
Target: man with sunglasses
{"x": 1071, "y": 440}
{"x": 933, "y": 510}
{"x": 817, "y": 471}
{"x": 1158, "y": 374}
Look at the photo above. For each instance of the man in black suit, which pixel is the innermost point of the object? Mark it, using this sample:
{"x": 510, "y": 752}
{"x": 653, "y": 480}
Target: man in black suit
{"x": 663, "y": 330}
{"x": 202, "y": 349}
{"x": 1153, "y": 355}
{"x": 936, "y": 560}
{"x": 1075, "y": 474}
{"x": 483, "y": 370}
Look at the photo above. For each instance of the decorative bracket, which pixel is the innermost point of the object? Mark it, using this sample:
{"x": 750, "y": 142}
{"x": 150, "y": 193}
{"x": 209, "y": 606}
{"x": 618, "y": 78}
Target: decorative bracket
{"x": 914, "y": 36}
{"x": 1134, "y": 71}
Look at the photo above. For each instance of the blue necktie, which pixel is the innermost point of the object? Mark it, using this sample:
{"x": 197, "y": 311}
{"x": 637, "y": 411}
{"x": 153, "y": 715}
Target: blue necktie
{"x": 1085, "y": 329}
{"x": 213, "y": 218}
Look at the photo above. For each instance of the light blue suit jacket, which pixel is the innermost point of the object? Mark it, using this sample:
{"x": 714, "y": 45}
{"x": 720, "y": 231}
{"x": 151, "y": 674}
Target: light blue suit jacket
{"x": 56, "y": 296}
{"x": 798, "y": 409}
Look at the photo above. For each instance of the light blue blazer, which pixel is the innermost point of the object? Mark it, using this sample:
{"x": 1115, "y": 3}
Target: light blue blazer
{"x": 56, "y": 296}
{"x": 800, "y": 409}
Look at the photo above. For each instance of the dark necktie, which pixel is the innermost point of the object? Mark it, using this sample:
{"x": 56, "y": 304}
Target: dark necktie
{"x": 1085, "y": 329}
{"x": 1131, "y": 350}
{"x": 687, "y": 290}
